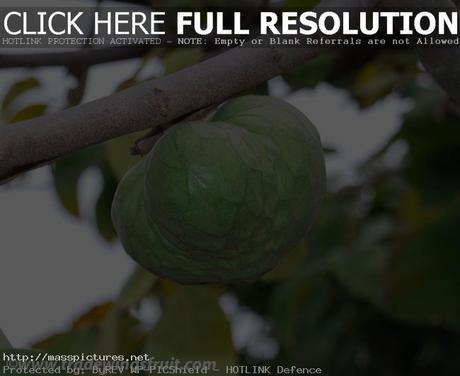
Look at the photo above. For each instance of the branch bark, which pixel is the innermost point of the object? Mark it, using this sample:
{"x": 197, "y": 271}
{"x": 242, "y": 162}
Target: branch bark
{"x": 443, "y": 63}
{"x": 28, "y": 144}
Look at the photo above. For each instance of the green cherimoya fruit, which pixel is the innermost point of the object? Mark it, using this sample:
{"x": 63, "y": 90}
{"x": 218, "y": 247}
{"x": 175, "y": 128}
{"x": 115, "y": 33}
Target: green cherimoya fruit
{"x": 220, "y": 201}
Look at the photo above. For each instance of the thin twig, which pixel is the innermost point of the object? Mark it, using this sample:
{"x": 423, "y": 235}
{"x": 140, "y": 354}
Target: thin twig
{"x": 146, "y": 143}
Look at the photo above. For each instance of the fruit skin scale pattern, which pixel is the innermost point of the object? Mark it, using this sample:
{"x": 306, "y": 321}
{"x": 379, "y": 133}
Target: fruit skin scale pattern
{"x": 221, "y": 201}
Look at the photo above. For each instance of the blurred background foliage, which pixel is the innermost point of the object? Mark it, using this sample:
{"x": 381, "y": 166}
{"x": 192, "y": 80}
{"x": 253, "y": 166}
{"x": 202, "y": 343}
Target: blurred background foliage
{"x": 373, "y": 289}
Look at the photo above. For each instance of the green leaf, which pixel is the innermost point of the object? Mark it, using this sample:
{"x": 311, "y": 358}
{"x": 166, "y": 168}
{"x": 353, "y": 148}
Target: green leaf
{"x": 311, "y": 73}
{"x": 289, "y": 263}
{"x": 102, "y": 211}
{"x": 109, "y": 334}
{"x": 28, "y": 112}
{"x": 182, "y": 58}
{"x": 118, "y": 152}
{"x": 101, "y": 330}
{"x": 423, "y": 277}
{"x": 310, "y": 322}
{"x": 74, "y": 341}
{"x": 19, "y": 88}
{"x": 67, "y": 173}
{"x": 361, "y": 271}
{"x": 434, "y": 142}
{"x": 193, "y": 327}
{"x": 373, "y": 83}
{"x": 361, "y": 265}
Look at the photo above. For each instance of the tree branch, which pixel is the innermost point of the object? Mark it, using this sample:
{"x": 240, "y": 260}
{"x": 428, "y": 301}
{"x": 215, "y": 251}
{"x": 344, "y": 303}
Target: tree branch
{"x": 148, "y": 105}
{"x": 442, "y": 62}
